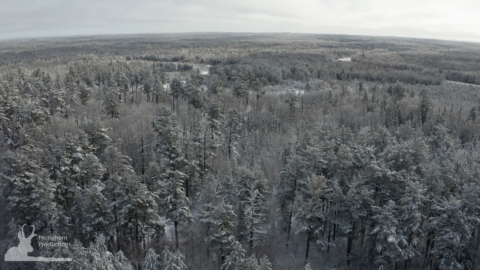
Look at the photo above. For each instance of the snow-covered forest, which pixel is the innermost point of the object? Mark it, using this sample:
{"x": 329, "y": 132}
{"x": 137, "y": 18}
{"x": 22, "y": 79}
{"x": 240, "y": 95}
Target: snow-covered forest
{"x": 234, "y": 151}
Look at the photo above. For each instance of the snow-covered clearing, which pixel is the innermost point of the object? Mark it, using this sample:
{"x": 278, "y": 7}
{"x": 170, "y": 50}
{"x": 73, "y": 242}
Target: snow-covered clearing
{"x": 347, "y": 59}
{"x": 204, "y": 69}
{"x": 461, "y": 83}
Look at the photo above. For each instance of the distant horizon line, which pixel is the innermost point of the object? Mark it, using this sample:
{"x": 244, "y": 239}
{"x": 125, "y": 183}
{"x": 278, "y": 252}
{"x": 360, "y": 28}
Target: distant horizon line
{"x": 30, "y": 38}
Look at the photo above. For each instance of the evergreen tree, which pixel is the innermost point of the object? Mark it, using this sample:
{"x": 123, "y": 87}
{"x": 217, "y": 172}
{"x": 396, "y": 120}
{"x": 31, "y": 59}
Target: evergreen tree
{"x": 176, "y": 90}
{"x": 232, "y": 131}
{"x": 252, "y": 193}
{"x": 220, "y": 228}
{"x": 311, "y": 216}
{"x": 265, "y": 264}
{"x": 172, "y": 197}
{"x": 236, "y": 259}
{"x": 138, "y": 211}
{"x": 97, "y": 135}
{"x": 173, "y": 260}
{"x": 425, "y": 107}
{"x": 152, "y": 261}
{"x": 385, "y": 236}
{"x": 193, "y": 94}
{"x": 29, "y": 191}
{"x": 85, "y": 93}
{"x": 453, "y": 232}
{"x": 96, "y": 218}
{"x": 240, "y": 89}
{"x": 290, "y": 177}
{"x": 111, "y": 103}
{"x": 411, "y": 220}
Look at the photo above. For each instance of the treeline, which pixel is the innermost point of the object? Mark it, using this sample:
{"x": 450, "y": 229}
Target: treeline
{"x": 154, "y": 58}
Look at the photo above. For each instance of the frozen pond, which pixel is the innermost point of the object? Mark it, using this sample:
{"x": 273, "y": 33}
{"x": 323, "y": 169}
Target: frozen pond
{"x": 348, "y": 59}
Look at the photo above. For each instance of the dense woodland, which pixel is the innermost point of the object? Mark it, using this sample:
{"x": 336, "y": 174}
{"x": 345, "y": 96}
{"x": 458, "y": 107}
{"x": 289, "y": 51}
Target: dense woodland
{"x": 241, "y": 151}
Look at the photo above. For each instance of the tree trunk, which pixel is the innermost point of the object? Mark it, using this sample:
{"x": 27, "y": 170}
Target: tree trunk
{"x": 329, "y": 232}
{"x": 289, "y": 226}
{"x": 334, "y": 231}
{"x": 250, "y": 241}
{"x": 142, "y": 152}
{"x": 477, "y": 257}
{"x": 204, "y": 153}
{"x": 363, "y": 237}
{"x": 176, "y": 235}
{"x": 222, "y": 254}
{"x": 350, "y": 244}
{"x": 137, "y": 239}
{"x": 307, "y": 250}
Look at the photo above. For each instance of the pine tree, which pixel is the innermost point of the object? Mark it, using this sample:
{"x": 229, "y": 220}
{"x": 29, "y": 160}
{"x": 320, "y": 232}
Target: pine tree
{"x": 311, "y": 216}
{"x": 123, "y": 84}
{"x": 85, "y": 93}
{"x": 96, "y": 256}
{"x": 251, "y": 263}
{"x": 55, "y": 99}
{"x": 425, "y": 107}
{"x": 453, "y": 232}
{"x": 193, "y": 94}
{"x": 215, "y": 85}
{"x": 232, "y": 131}
{"x": 138, "y": 211}
{"x": 411, "y": 220}
{"x": 158, "y": 81}
{"x": 172, "y": 197}
{"x": 220, "y": 228}
{"x": 240, "y": 89}
{"x": 96, "y": 218}
{"x": 236, "y": 258}
{"x": 290, "y": 177}
{"x": 385, "y": 236}
{"x": 118, "y": 171}
{"x": 111, "y": 103}
{"x": 193, "y": 158}
{"x": 265, "y": 264}
{"x": 152, "y": 261}
{"x": 252, "y": 193}
{"x": 29, "y": 191}
{"x": 351, "y": 211}
{"x": 173, "y": 260}
{"x": 90, "y": 171}
{"x": 97, "y": 135}
{"x": 176, "y": 90}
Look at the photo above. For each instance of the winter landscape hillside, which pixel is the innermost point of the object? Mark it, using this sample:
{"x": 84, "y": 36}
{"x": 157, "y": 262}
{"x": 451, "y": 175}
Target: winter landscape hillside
{"x": 240, "y": 151}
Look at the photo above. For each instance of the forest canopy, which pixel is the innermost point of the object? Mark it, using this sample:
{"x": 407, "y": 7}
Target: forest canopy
{"x": 241, "y": 151}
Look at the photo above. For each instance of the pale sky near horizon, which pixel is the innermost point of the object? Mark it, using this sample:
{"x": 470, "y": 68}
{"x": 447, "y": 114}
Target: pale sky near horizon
{"x": 450, "y": 20}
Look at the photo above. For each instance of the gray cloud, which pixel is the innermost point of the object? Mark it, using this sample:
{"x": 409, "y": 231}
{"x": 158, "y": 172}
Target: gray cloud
{"x": 457, "y": 20}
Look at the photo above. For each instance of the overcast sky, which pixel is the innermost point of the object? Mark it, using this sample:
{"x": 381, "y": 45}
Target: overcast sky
{"x": 454, "y": 20}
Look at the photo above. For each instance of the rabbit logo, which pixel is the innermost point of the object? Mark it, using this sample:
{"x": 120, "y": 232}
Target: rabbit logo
{"x": 19, "y": 253}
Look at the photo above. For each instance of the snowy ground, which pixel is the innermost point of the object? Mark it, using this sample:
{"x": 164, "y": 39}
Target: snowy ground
{"x": 169, "y": 229}
{"x": 461, "y": 83}
{"x": 204, "y": 69}
{"x": 348, "y": 59}
{"x": 294, "y": 91}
